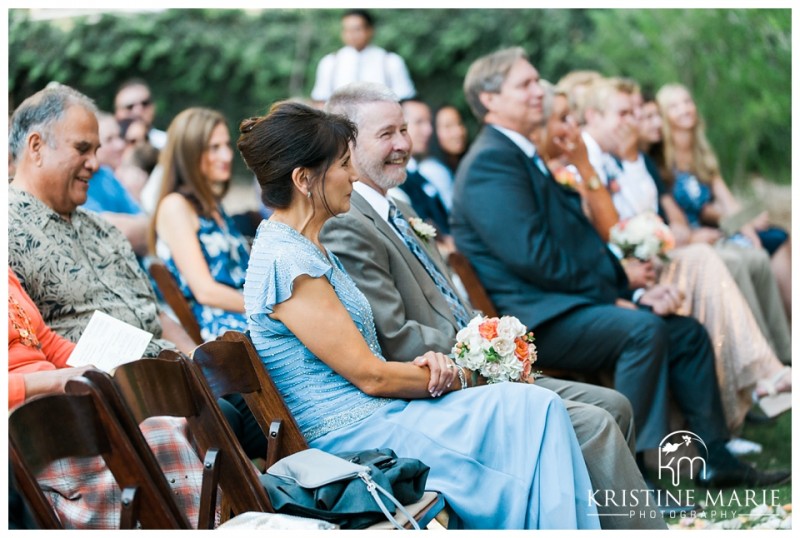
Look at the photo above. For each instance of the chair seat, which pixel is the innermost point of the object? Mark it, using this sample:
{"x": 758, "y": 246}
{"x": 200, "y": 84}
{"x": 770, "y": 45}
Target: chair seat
{"x": 262, "y": 520}
{"x": 424, "y": 510}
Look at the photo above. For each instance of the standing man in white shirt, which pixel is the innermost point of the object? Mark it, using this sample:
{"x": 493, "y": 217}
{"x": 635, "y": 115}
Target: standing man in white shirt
{"x": 360, "y": 61}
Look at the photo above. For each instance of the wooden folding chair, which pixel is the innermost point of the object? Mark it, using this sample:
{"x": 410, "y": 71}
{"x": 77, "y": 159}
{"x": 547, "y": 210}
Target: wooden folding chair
{"x": 174, "y": 298}
{"x": 167, "y": 387}
{"x": 480, "y": 299}
{"x": 79, "y": 424}
{"x": 231, "y": 365}
{"x": 475, "y": 290}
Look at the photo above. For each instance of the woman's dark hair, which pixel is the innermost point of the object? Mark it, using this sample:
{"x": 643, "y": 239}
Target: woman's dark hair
{"x": 289, "y": 136}
{"x": 656, "y": 150}
{"x": 435, "y": 149}
{"x": 144, "y": 156}
{"x": 363, "y": 13}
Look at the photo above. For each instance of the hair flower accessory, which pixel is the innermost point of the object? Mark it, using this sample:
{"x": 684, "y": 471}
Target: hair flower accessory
{"x": 643, "y": 237}
{"x": 500, "y": 349}
{"x": 423, "y": 230}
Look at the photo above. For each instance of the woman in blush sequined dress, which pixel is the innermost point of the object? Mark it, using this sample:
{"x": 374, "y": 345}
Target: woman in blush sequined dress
{"x": 504, "y": 456}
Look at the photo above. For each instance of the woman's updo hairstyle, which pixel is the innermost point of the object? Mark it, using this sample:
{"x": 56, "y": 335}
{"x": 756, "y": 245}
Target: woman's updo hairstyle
{"x": 291, "y": 135}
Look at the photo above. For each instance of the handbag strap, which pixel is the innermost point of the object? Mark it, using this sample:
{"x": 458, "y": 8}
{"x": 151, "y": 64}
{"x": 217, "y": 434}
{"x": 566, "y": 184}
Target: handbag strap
{"x": 371, "y": 487}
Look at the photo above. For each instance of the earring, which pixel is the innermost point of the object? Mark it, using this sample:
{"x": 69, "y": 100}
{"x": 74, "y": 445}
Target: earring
{"x": 308, "y": 195}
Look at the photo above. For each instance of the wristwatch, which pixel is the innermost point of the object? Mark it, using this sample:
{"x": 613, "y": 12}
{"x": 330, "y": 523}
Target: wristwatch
{"x": 593, "y": 183}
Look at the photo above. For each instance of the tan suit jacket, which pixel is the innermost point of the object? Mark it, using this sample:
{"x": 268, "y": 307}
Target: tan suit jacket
{"x": 411, "y": 315}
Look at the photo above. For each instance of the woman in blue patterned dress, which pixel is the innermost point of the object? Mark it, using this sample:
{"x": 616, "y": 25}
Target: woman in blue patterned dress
{"x": 198, "y": 242}
{"x": 504, "y": 456}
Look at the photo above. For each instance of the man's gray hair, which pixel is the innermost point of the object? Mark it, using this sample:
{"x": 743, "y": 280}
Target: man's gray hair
{"x": 551, "y": 91}
{"x": 102, "y": 115}
{"x": 487, "y": 74}
{"x": 40, "y": 112}
{"x": 348, "y": 100}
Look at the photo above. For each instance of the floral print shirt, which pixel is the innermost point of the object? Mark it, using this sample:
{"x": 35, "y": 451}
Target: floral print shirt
{"x": 72, "y": 268}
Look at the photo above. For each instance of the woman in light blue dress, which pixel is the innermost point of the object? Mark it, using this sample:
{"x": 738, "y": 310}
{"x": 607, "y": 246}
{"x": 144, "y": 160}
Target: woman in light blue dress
{"x": 504, "y": 456}
{"x": 197, "y": 240}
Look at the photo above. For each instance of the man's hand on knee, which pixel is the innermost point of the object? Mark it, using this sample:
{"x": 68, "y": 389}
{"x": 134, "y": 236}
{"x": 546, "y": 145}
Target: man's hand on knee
{"x": 663, "y": 299}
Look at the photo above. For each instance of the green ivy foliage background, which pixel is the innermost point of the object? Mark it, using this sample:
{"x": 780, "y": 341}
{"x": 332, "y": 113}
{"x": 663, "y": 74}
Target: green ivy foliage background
{"x": 737, "y": 62}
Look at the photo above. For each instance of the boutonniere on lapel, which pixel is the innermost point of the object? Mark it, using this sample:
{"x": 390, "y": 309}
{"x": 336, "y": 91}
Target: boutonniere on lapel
{"x": 613, "y": 171}
{"x": 423, "y": 230}
{"x": 566, "y": 178}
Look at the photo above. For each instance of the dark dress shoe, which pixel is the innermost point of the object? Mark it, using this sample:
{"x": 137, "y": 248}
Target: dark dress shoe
{"x": 739, "y": 475}
{"x": 758, "y": 417}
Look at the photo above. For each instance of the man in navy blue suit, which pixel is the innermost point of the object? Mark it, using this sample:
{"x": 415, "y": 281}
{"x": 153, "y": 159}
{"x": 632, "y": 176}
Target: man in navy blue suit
{"x": 541, "y": 260}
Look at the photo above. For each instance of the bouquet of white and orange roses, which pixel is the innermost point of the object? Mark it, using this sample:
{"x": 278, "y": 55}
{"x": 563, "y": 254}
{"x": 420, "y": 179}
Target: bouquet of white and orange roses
{"x": 642, "y": 237}
{"x": 499, "y": 349}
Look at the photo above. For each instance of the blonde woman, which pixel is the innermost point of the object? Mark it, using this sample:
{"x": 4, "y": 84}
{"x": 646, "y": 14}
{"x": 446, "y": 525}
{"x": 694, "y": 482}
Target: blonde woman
{"x": 692, "y": 170}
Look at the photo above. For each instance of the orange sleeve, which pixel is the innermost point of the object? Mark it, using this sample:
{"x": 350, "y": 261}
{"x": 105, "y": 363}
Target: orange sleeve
{"x": 55, "y": 347}
{"x": 23, "y": 359}
{"x": 16, "y": 389}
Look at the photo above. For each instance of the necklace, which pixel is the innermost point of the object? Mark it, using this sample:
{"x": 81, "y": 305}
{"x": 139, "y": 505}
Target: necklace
{"x": 22, "y": 324}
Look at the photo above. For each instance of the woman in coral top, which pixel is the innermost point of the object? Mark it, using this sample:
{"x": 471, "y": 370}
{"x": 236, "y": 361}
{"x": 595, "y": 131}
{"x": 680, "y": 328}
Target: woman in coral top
{"x": 83, "y": 492}
{"x": 37, "y": 356}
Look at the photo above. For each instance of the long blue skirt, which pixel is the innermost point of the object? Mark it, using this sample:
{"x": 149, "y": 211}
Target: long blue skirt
{"x": 504, "y": 456}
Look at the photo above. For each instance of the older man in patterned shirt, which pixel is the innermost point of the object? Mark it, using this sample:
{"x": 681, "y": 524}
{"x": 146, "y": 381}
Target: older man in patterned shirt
{"x": 70, "y": 261}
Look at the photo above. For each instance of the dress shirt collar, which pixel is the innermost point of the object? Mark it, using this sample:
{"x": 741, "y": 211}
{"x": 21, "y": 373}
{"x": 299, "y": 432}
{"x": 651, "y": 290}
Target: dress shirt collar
{"x": 523, "y": 143}
{"x": 592, "y": 147}
{"x": 379, "y": 202}
{"x": 351, "y": 50}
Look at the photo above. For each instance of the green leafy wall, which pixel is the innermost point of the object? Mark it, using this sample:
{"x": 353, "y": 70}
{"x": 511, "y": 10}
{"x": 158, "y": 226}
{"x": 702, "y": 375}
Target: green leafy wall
{"x": 738, "y": 62}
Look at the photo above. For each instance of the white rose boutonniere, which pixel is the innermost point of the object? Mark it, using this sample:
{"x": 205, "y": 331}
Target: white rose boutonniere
{"x": 423, "y": 230}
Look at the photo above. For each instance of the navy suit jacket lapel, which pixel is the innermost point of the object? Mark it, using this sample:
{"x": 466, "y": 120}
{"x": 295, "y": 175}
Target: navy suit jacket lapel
{"x": 541, "y": 182}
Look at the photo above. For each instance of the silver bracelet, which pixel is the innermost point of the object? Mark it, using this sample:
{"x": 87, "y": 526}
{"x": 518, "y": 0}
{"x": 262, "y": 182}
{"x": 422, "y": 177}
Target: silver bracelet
{"x": 462, "y": 377}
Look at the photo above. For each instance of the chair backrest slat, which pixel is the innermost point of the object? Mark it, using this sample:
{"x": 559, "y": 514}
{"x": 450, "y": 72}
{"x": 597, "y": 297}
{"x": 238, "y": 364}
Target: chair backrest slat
{"x": 169, "y": 385}
{"x": 232, "y": 363}
{"x": 155, "y": 387}
{"x": 42, "y": 446}
{"x": 477, "y": 293}
{"x": 174, "y": 298}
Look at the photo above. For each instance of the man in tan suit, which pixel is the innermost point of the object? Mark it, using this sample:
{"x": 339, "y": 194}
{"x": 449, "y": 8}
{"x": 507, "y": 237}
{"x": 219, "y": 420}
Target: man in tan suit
{"x": 413, "y": 309}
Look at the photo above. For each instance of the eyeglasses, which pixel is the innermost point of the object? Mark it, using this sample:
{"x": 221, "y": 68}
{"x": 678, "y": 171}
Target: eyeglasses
{"x": 144, "y": 104}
